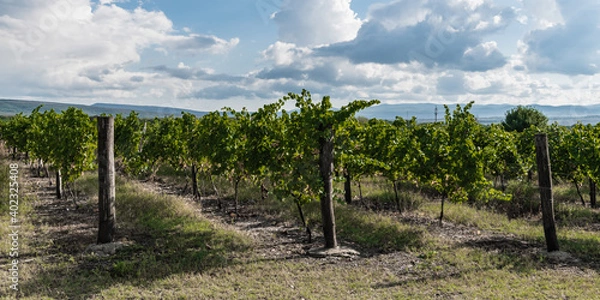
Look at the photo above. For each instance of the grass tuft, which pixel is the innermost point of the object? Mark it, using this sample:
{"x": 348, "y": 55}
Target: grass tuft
{"x": 578, "y": 241}
{"x": 374, "y": 231}
{"x": 367, "y": 230}
{"x": 575, "y": 215}
{"x": 181, "y": 236}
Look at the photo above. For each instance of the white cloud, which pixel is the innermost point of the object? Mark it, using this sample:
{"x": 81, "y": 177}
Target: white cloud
{"x": 399, "y": 13}
{"x": 104, "y": 2}
{"x": 571, "y": 47}
{"x": 282, "y": 53}
{"x": 435, "y": 33}
{"x": 568, "y": 47}
{"x": 78, "y": 48}
{"x": 197, "y": 44}
{"x": 316, "y": 22}
{"x": 482, "y": 57}
{"x": 543, "y": 13}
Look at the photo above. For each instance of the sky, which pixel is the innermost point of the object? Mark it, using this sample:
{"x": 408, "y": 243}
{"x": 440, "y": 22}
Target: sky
{"x": 205, "y": 55}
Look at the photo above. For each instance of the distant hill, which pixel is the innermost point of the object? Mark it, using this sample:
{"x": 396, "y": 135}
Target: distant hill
{"x": 150, "y": 110}
{"x": 486, "y": 114}
{"x": 13, "y": 107}
{"x": 425, "y": 112}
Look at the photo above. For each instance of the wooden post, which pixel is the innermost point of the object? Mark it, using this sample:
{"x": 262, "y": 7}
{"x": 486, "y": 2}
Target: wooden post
{"x": 347, "y": 186}
{"x": 195, "y": 192}
{"x": 396, "y": 198}
{"x": 326, "y": 167}
{"x": 59, "y": 185}
{"x": 106, "y": 180}
{"x": 592, "y": 192}
{"x": 545, "y": 185}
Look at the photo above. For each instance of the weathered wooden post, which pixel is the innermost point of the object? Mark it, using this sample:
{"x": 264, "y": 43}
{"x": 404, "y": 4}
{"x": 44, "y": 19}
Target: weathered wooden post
{"x": 106, "y": 180}
{"x": 195, "y": 191}
{"x": 59, "y": 184}
{"x": 545, "y": 185}
{"x": 347, "y": 186}
{"x": 326, "y": 167}
{"x": 592, "y": 192}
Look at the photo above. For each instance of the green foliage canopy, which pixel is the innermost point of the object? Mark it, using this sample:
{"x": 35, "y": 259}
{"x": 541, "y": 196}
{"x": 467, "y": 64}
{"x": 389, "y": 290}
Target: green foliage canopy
{"x": 522, "y": 117}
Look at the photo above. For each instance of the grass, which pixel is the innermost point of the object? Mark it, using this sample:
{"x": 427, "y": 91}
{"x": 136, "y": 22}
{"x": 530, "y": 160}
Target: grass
{"x": 573, "y": 221}
{"x": 565, "y": 192}
{"x": 379, "y": 193}
{"x": 574, "y": 215}
{"x": 366, "y": 230}
{"x": 366, "y": 281}
{"x": 174, "y": 225}
{"x": 373, "y": 231}
{"x": 483, "y": 219}
{"x": 181, "y": 179}
{"x": 578, "y": 241}
{"x": 177, "y": 254}
{"x": 169, "y": 238}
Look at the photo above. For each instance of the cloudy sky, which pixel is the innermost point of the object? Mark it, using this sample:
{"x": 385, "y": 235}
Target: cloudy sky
{"x": 206, "y": 55}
